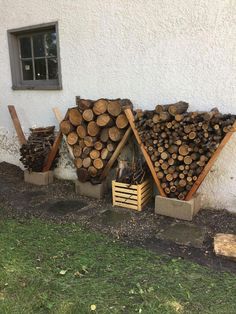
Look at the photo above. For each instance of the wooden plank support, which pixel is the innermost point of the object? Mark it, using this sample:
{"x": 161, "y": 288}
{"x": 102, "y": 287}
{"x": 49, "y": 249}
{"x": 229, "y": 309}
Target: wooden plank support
{"x": 17, "y": 125}
{"x": 116, "y": 153}
{"x": 59, "y": 118}
{"x": 209, "y": 164}
{"x": 130, "y": 118}
{"x": 53, "y": 152}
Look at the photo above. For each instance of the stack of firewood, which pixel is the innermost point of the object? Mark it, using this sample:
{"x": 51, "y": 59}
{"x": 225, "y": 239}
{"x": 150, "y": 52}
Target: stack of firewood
{"x": 37, "y": 148}
{"x": 180, "y": 143}
{"x": 93, "y": 129}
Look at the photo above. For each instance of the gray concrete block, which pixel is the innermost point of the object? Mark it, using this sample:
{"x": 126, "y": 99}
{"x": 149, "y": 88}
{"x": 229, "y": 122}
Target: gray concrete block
{"x": 38, "y": 178}
{"x": 175, "y": 208}
{"x": 91, "y": 190}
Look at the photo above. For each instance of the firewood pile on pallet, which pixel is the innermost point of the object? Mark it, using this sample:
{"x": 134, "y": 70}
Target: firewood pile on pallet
{"x": 180, "y": 143}
{"x": 93, "y": 130}
{"x": 37, "y": 147}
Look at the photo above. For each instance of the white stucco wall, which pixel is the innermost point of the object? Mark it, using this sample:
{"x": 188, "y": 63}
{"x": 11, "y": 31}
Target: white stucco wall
{"x": 153, "y": 51}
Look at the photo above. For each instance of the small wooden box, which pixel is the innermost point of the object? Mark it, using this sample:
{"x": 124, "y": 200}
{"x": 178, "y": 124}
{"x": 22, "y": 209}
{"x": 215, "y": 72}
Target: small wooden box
{"x": 131, "y": 196}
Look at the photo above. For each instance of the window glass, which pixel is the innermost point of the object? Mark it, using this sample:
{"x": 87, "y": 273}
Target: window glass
{"x": 27, "y": 70}
{"x": 40, "y": 69}
{"x": 52, "y": 69}
{"x": 51, "y": 44}
{"x": 38, "y": 43}
{"x": 25, "y": 47}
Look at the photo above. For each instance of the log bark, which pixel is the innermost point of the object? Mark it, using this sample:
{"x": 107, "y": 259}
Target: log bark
{"x": 104, "y": 136}
{"x": 83, "y": 175}
{"x": 84, "y": 104}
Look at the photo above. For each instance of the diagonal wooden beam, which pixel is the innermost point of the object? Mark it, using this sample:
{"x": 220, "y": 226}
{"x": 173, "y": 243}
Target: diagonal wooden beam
{"x": 209, "y": 165}
{"x": 17, "y": 125}
{"x": 130, "y": 118}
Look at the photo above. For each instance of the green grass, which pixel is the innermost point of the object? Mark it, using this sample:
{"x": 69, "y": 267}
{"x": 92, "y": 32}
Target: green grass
{"x": 52, "y": 268}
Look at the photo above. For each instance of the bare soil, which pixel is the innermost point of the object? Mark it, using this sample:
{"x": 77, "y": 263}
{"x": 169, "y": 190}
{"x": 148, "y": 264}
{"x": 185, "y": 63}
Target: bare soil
{"x": 59, "y": 203}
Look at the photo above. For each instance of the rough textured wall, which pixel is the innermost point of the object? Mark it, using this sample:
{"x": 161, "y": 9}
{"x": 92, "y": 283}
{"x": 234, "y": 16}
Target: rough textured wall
{"x": 153, "y": 51}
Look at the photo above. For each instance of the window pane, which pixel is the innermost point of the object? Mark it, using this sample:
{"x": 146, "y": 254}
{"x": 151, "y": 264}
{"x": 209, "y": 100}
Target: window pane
{"x": 25, "y": 47}
{"x": 27, "y": 70}
{"x": 51, "y": 44}
{"x": 40, "y": 69}
{"x": 52, "y": 69}
{"x": 38, "y": 44}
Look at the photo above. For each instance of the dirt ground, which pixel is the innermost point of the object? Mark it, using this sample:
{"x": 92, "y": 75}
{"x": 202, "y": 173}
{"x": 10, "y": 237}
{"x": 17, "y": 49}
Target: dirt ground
{"x": 59, "y": 203}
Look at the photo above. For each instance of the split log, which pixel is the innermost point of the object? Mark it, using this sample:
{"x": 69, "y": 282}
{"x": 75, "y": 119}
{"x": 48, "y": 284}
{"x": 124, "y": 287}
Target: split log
{"x": 66, "y": 127}
{"x": 121, "y": 121}
{"x": 77, "y": 151}
{"x": 99, "y": 145}
{"x": 114, "y": 134}
{"x": 89, "y": 141}
{"x": 81, "y": 131}
{"x": 94, "y": 154}
{"x": 93, "y": 129}
{"x": 88, "y": 115}
{"x": 75, "y": 116}
{"x": 104, "y": 120}
{"x": 87, "y": 162}
{"x": 98, "y": 163}
{"x": 114, "y": 107}
{"x": 72, "y": 138}
{"x": 78, "y": 163}
{"x": 100, "y": 106}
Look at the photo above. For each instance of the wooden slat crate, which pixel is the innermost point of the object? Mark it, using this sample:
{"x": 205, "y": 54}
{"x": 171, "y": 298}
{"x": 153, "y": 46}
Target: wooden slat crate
{"x": 131, "y": 196}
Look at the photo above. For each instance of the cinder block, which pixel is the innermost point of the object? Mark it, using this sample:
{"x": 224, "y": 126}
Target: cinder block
{"x": 175, "y": 208}
{"x": 38, "y": 178}
{"x": 91, "y": 190}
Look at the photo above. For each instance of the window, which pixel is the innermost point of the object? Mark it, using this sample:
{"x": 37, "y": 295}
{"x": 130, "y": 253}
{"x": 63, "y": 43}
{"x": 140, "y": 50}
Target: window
{"x": 34, "y": 57}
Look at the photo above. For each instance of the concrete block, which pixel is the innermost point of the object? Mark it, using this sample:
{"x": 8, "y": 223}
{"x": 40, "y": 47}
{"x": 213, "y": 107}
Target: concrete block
{"x": 38, "y": 178}
{"x": 175, "y": 208}
{"x": 91, "y": 190}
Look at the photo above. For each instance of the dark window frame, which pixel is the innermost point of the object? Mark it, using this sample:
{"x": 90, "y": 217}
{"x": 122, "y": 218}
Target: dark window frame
{"x": 15, "y": 59}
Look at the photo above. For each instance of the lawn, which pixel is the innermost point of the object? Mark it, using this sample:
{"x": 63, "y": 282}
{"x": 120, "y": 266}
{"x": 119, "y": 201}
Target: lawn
{"x": 53, "y": 268}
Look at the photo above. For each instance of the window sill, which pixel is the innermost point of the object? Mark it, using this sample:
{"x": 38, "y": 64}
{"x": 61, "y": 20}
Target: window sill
{"x": 39, "y": 87}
